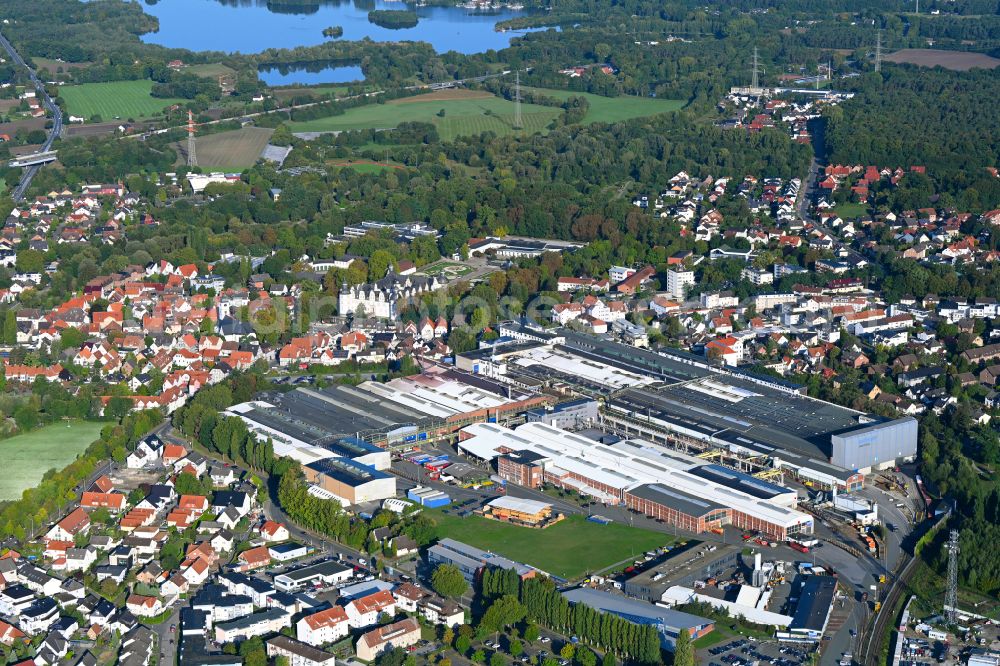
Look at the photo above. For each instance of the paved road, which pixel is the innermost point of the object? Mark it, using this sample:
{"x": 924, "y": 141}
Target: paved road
{"x": 167, "y": 639}
{"x": 50, "y": 105}
{"x": 809, "y": 192}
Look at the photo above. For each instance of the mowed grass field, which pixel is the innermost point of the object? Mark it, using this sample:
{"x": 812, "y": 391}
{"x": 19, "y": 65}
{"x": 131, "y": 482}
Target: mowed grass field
{"x": 448, "y": 269}
{"x": 114, "y": 100}
{"x": 468, "y": 114}
{"x": 228, "y": 151}
{"x": 616, "y": 109}
{"x": 570, "y": 549}
{"x": 318, "y": 91}
{"x": 850, "y": 210}
{"x": 29, "y": 456}
{"x": 211, "y": 70}
{"x": 365, "y": 166}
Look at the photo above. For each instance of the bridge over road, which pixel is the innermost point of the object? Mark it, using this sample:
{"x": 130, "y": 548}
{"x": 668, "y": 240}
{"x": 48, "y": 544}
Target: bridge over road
{"x": 33, "y": 159}
{"x": 57, "y": 120}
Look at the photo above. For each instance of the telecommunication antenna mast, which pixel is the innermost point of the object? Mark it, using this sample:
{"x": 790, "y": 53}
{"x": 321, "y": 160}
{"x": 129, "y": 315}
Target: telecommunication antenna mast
{"x": 192, "y": 157}
{"x": 951, "y": 594}
{"x": 878, "y": 52}
{"x": 518, "y": 121}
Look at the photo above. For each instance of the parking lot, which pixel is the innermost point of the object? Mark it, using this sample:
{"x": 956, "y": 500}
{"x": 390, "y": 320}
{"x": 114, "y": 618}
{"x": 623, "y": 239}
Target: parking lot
{"x": 547, "y": 646}
{"x": 746, "y": 651}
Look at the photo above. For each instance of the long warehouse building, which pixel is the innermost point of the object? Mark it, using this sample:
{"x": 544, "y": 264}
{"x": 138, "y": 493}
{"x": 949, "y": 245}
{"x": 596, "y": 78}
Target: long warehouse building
{"x": 666, "y": 485}
{"x": 687, "y": 402}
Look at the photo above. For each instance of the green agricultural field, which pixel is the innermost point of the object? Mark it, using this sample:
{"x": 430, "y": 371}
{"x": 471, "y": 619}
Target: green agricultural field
{"x": 29, "y": 456}
{"x": 616, "y": 109}
{"x": 114, "y": 100}
{"x": 570, "y": 549}
{"x": 462, "y": 116}
{"x": 231, "y": 151}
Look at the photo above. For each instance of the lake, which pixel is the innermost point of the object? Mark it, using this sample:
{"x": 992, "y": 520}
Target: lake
{"x": 309, "y": 76}
{"x": 250, "y": 26}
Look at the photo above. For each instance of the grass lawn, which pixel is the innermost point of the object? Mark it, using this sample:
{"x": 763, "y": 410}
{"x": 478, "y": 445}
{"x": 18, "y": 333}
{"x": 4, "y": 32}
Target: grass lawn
{"x": 448, "y": 269}
{"x": 569, "y": 549}
{"x": 29, "y": 456}
{"x": 616, "y": 109}
{"x": 317, "y": 91}
{"x": 211, "y": 70}
{"x": 365, "y": 166}
{"x": 717, "y": 636}
{"x": 114, "y": 100}
{"x": 849, "y": 211}
{"x": 463, "y": 117}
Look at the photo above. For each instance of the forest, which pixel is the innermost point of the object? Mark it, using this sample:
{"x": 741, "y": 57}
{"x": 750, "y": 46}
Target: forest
{"x": 908, "y": 117}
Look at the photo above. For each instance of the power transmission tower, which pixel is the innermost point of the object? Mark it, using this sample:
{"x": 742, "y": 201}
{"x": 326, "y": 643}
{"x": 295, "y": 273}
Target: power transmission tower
{"x": 192, "y": 156}
{"x": 518, "y": 121}
{"x": 951, "y": 594}
{"x": 755, "y": 83}
{"x": 878, "y": 52}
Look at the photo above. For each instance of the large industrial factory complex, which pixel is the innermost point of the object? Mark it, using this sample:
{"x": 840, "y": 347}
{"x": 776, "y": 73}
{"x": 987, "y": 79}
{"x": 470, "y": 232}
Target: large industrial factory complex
{"x": 666, "y": 485}
{"x": 342, "y": 435}
{"x": 667, "y": 434}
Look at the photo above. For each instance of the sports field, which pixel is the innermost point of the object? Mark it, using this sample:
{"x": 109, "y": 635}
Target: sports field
{"x": 616, "y": 109}
{"x": 570, "y": 549}
{"x": 228, "y": 151}
{"x": 464, "y": 115}
{"x": 115, "y": 100}
{"x": 29, "y": 456}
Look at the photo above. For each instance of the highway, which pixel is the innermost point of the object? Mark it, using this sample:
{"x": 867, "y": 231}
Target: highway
{"x": 54, "y": 132}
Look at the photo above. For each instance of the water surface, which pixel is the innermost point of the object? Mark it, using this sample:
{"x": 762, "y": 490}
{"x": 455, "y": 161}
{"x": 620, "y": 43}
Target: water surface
{"x": 250, "y": 26}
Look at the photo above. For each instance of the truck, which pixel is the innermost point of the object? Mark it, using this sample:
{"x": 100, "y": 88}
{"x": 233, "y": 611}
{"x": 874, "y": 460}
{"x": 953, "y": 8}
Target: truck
{"x": 799, "y": 547}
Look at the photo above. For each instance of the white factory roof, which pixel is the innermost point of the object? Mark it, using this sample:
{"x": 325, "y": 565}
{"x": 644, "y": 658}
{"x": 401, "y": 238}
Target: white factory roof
{"x": 678, "y": 595}
{"x": 518, "y": 504}
{"x": 434, "y": 396}
{"x": 599, "y": 373}
{"x": 620, "y": 467}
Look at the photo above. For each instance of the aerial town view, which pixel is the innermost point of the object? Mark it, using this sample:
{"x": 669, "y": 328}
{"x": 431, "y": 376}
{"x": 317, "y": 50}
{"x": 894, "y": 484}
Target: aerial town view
{"x": 496, "y": 333}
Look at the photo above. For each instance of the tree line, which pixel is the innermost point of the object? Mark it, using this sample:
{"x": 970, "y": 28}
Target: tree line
{"x": 543, "y": 603}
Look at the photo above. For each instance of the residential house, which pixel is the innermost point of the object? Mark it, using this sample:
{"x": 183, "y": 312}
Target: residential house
{"x": 400, "y": 634}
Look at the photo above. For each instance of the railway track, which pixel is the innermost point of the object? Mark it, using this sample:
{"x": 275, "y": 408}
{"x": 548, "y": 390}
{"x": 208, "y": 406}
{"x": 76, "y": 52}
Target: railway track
{"x": 874, "y": 635}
